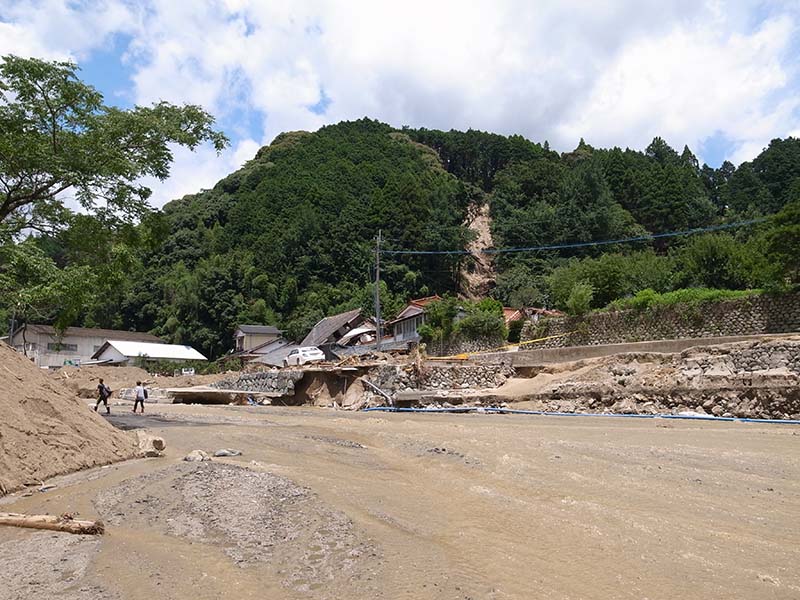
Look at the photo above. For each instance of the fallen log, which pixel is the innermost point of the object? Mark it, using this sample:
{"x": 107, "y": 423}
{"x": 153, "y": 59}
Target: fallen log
{"x": 64, "y": 523}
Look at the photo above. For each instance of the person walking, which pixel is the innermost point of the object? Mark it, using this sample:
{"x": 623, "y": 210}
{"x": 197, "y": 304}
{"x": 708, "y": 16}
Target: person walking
{"x": 141, "y": 396}
{"x": 103, "y": 394}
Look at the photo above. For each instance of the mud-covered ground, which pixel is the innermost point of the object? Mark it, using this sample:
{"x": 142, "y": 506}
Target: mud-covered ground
{"x": 326, "y": 504}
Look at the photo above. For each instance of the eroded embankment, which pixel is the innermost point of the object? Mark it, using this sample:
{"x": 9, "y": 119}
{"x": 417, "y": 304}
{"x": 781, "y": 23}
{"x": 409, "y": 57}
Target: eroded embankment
{"x": 756, "y": 379}
{"x": 747, "y": 380}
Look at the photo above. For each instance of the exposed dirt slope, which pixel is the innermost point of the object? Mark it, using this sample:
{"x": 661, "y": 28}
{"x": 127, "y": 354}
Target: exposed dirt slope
{"x": 45, "y": 430}
{"x": 478, "y": 276}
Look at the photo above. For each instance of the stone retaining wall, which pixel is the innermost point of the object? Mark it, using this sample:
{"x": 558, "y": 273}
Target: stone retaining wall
{"x": 758, "y": 314}
{"x": 277, "y": 382}
{"x": 394, "y": 378}
{"x": 462, "y": 346}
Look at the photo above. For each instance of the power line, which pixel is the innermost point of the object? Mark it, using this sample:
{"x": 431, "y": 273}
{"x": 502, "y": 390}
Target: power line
{"x": 641, "y": 238}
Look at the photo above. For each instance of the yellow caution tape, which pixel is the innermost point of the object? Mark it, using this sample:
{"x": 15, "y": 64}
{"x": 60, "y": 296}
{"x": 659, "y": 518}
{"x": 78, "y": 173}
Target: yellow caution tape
{"x": 466, "y": 355}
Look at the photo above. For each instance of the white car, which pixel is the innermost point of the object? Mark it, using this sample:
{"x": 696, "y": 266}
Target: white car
{"x": 301, "y": 356}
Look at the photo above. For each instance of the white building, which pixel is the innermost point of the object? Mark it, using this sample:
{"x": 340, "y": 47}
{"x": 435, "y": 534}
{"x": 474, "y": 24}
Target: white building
{"x": 121, "y": 352}
{"x": 46, "y": 348}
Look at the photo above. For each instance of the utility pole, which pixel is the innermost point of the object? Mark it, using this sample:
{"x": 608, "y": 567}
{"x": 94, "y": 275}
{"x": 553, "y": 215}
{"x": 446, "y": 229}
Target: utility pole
{"x": 378, "y": 328}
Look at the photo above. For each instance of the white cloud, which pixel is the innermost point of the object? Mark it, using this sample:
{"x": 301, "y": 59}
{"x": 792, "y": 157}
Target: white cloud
{"x": 615, "y": 73}
{"x": 201, "y": 169}
{"x": 689, "y": 84}
{"x": 61, "y": 29}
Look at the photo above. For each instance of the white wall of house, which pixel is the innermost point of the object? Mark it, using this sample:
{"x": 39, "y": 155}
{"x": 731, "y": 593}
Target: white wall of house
{"x": 407, "y": 328}
{"x": 46, "y": 351}
{"x": 112, "y": 354}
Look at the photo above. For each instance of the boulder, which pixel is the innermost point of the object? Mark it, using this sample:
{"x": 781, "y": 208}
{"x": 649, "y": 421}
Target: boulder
{"x": 150, "y": 446}
{"x": 227, "y": 452}
{"x": 197, "y": 456}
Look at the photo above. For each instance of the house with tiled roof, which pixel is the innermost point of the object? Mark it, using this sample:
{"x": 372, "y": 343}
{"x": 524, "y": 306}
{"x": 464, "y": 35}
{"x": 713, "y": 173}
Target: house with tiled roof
{"x": 75, "y": 346}
{"x": 406, "y": 324}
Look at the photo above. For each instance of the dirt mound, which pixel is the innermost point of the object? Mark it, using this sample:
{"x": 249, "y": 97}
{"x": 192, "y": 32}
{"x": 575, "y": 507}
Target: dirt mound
{"x": 259, "y": 518}
{"x": 82, "y": 381}
{"x": 45, "y": 430}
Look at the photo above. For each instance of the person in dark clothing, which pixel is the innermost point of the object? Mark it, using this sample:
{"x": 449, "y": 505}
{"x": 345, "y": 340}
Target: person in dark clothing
{"x": 103, "y": 394}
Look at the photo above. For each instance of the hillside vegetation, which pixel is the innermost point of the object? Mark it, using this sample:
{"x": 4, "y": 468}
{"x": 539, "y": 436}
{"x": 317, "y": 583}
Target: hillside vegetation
{"x": 289, "y": 237}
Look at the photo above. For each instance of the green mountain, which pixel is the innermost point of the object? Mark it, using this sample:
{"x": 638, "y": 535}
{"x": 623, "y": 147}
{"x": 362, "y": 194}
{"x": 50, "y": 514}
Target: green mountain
{"x": 290, "y": 237}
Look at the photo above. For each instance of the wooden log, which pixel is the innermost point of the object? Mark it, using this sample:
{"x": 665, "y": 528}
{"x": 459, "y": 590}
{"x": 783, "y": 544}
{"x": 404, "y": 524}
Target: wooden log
{"x": 64, "y": 523}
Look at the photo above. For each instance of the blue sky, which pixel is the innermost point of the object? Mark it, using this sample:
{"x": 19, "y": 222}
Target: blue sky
{"x": 721, "y": 77}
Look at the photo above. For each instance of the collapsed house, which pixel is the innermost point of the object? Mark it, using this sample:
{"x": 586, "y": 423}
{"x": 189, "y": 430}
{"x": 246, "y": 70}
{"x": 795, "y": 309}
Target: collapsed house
{"x": 330, "y": 331}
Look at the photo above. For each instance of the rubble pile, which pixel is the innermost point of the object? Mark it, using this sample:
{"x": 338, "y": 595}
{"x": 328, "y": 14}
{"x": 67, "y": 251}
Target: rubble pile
{"x": 744, "y": 380}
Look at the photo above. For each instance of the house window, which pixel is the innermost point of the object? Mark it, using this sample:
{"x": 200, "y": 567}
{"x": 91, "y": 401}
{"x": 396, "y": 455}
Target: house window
{"x": 55, "y": 347}
{"x": 95, "y": 349}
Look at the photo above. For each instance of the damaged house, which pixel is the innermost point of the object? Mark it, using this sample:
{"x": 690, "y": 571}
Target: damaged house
{"x": 344, "y": 328}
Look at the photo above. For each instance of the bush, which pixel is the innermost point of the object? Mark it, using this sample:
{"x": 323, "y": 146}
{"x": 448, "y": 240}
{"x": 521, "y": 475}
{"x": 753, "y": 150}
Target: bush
{"x": 580, "y": 299}
{"x": 612, "y": 276}
{"x": 481, "y": 325}
{"x": 647, "y": 299}
{"x": 515, "y": 330}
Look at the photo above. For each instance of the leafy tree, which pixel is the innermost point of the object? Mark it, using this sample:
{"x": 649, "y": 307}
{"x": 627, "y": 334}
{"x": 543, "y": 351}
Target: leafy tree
{"x": 778, "y": 168}
{"x": 712, "y": 261}
{"x": 57, "y": 135}
{"x": 481, "y": 324}
{"x": 34, "y": 288}
{"x": 580, "y": 299}
{"x": 783, "y": 242}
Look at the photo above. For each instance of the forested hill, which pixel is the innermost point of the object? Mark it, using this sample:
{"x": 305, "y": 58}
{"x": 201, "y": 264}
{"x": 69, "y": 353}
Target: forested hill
{"x": 289, "y": 238}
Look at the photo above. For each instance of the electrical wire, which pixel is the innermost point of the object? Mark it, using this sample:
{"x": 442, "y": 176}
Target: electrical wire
{"x": 641, "y": 238}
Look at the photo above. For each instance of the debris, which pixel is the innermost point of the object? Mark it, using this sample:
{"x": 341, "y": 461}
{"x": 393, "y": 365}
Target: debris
{"x": 368, "y": 383}
{"x": 227, "y": 452}
{"x": 46, "y": 488}
{"x": 150, "y": 446}
{"x": 65, "y": 522}
{"x": 197, "y": 456}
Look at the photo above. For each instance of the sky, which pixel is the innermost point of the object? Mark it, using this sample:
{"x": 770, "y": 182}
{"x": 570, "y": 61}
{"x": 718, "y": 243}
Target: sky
{"x": 720, "y": 77}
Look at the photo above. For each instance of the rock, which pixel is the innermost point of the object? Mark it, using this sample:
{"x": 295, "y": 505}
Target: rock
{"x": 197, "y": 456}
{"x": 227, "y": 452}
{"x": 150, "y": 446}
{"x": 717, "y": 410}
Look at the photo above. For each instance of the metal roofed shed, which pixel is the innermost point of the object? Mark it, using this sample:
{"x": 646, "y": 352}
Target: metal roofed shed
{"x": 121, "y": 352}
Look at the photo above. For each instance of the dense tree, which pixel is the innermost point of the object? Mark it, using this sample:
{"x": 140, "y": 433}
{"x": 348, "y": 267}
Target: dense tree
{"x": 783, "y": 241}
{"x": 289, "y": 238}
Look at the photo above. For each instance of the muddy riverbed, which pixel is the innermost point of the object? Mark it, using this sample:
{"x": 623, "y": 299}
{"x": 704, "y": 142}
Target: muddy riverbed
{"x": 324, "y": 504}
